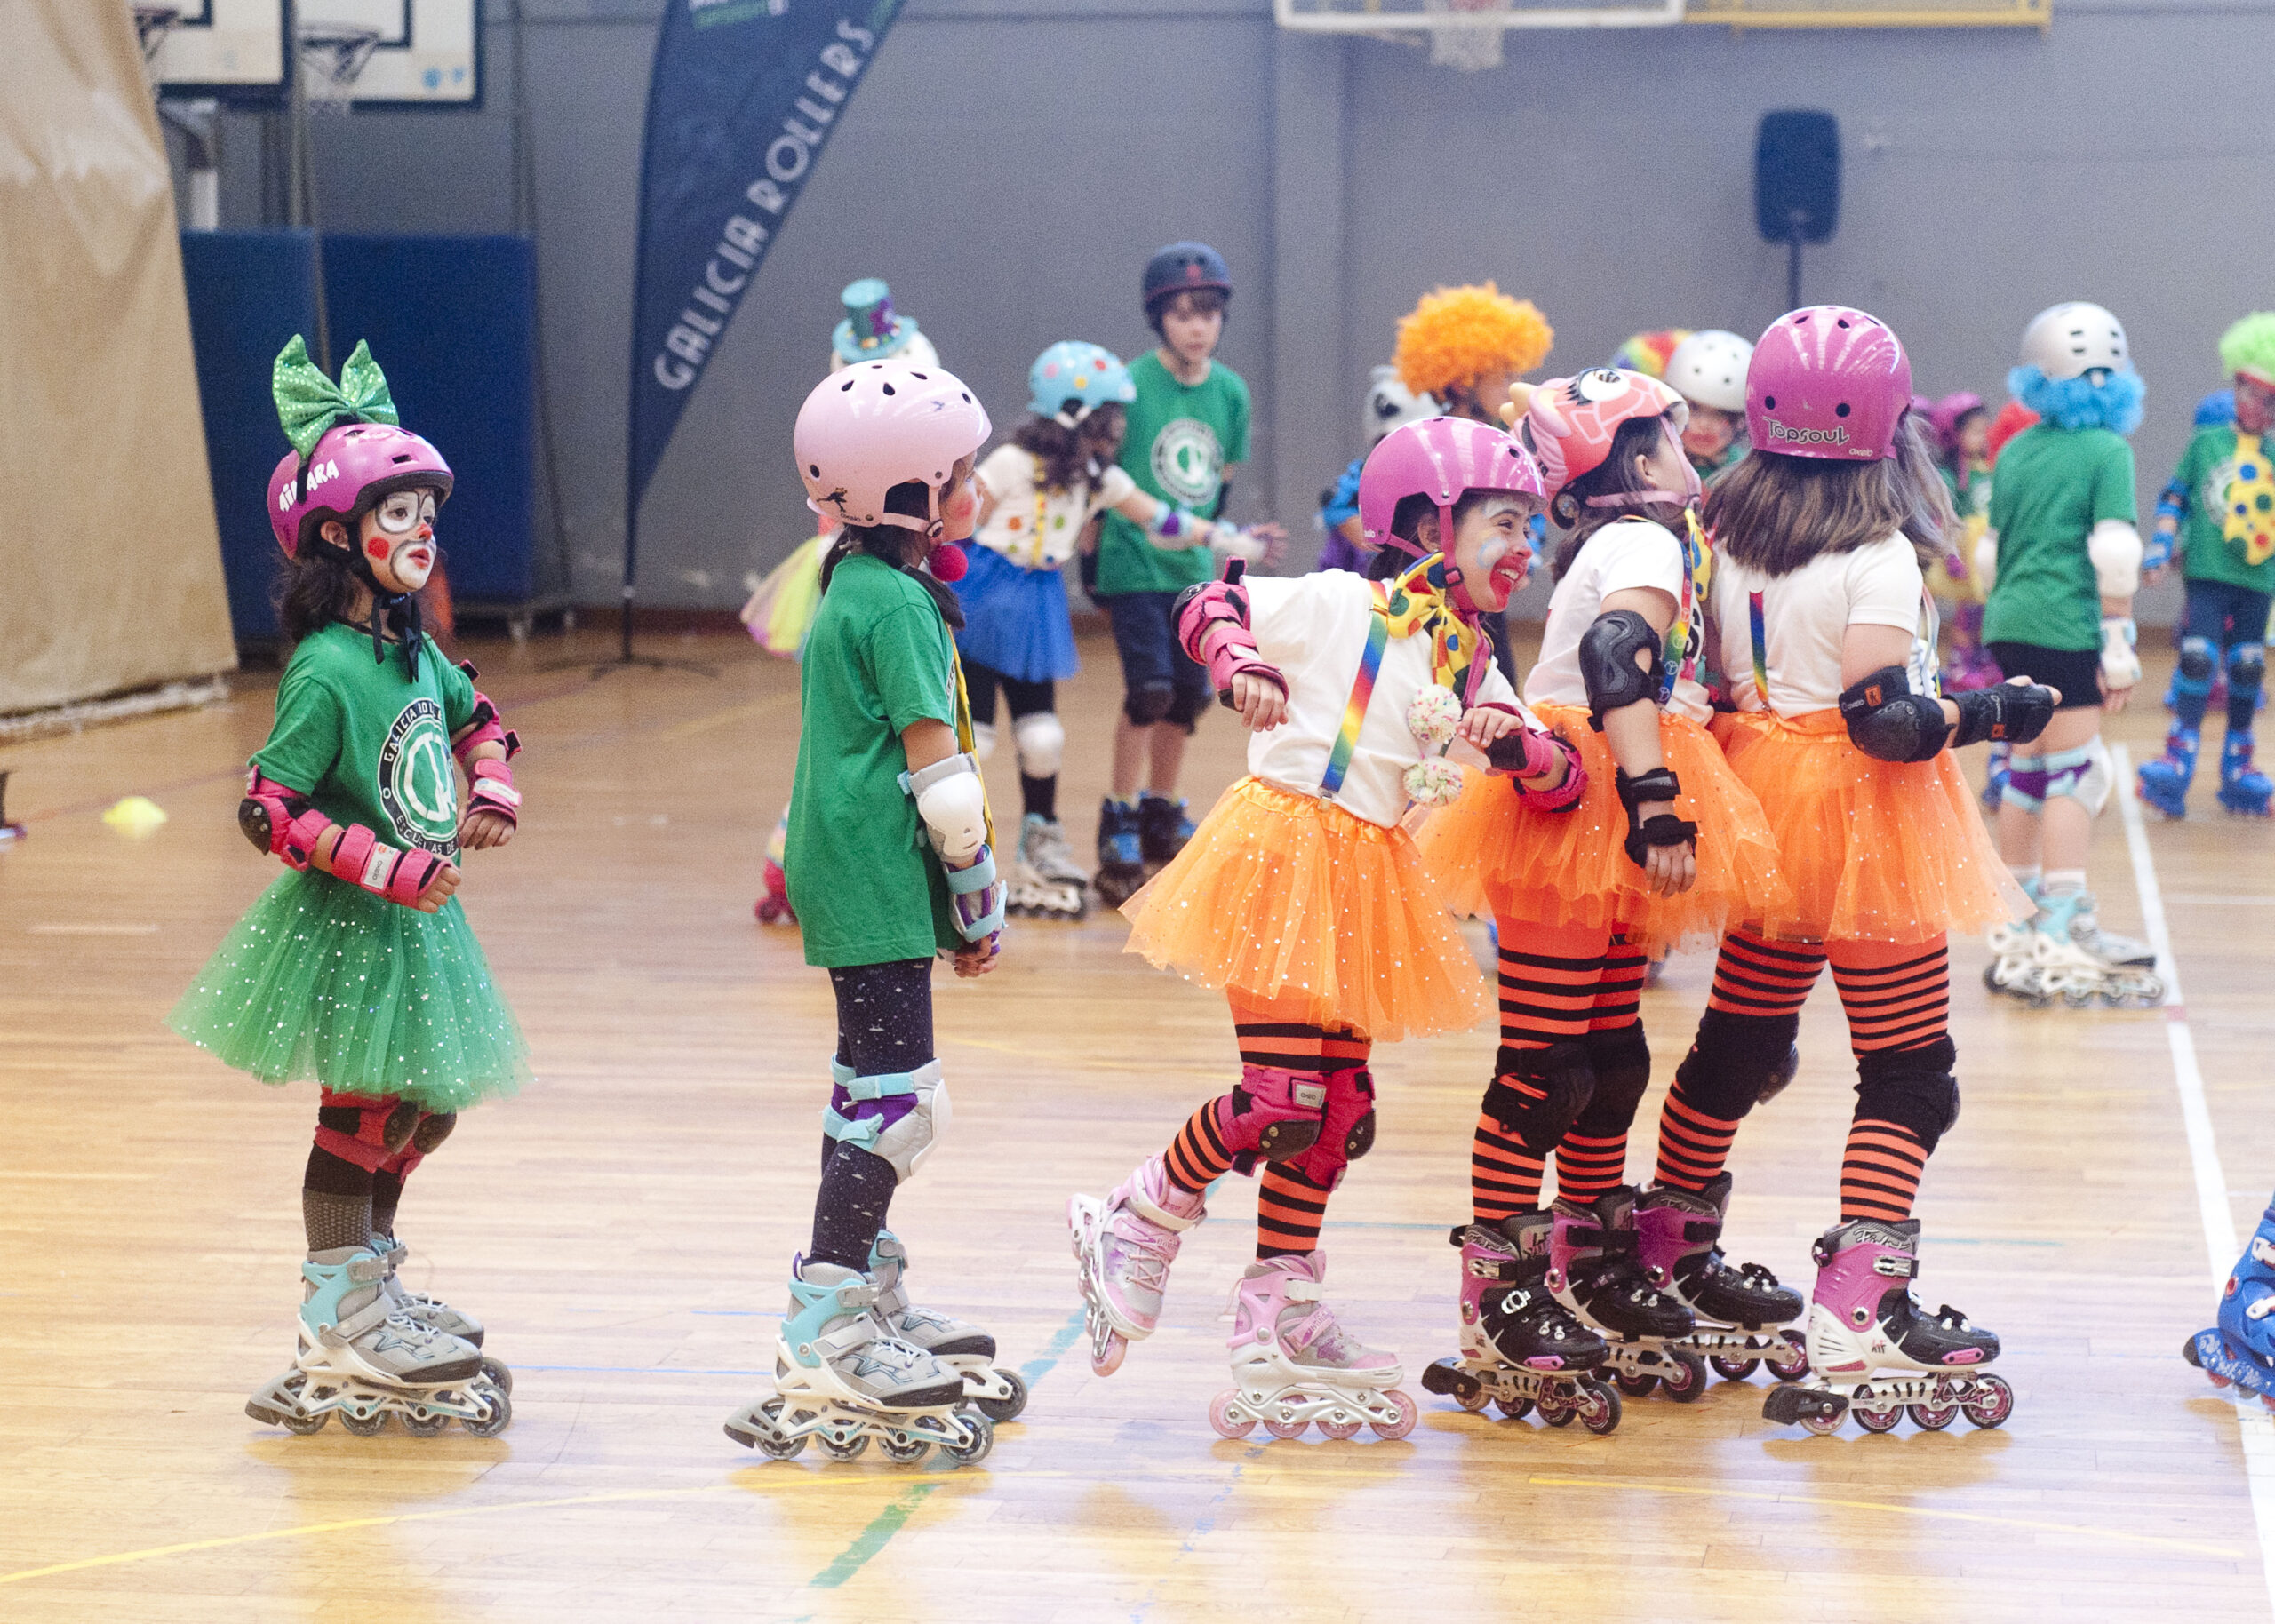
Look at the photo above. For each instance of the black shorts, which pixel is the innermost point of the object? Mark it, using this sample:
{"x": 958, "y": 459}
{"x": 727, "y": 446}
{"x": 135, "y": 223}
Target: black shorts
{"x": 2076, "y": 672}
{"x": 1160, "y": 681}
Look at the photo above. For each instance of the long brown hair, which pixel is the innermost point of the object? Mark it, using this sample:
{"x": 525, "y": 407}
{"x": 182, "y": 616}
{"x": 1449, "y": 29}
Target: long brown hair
{"x": 903, "y": 549}
{"x": 1066, "y": 454}
{"x": 1774, "y": 512}
{"x": 1616, "y": 476}
{"x": 319, "y": 584}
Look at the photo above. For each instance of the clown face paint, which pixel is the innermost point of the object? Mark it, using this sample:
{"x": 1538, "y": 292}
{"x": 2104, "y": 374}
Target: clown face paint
{"x": 398, "y": 540}
{"x": 1493, "y": 549}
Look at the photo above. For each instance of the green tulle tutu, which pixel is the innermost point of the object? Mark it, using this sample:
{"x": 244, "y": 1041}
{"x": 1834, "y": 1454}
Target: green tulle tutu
{"x": 323, "y": 981}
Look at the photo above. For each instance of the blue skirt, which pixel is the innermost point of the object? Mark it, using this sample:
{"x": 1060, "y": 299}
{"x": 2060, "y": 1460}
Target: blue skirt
{"x": 1015, "y": 620}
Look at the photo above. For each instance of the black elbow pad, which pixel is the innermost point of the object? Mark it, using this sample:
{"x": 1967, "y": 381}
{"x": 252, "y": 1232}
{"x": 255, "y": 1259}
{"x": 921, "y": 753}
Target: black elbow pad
{"x": 1890, "y": 722}
{"x": 1608, "y": 667}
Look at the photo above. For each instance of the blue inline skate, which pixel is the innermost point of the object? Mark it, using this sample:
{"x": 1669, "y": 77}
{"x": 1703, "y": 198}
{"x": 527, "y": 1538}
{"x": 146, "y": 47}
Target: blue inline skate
{"x": 1121, "y": 859}
{"x": 2240, "y": 1351}
{"x": 1994, "y": 782}
{"x": 2244, "y": 789}
{"x": 2165, "y": 781}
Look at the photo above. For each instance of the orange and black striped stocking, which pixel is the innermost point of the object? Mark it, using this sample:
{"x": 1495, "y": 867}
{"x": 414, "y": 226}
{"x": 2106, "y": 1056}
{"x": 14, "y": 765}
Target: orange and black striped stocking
{"x": 1752, "y": 1014}
{"x": 1898, "y": 1002}
{"x": 1593, "y": 1157}
{"x": 1549, "y": 980}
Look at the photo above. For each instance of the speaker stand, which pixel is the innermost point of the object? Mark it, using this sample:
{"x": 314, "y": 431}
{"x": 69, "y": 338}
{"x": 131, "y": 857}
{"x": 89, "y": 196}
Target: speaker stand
{"x": 1794, "y": 221}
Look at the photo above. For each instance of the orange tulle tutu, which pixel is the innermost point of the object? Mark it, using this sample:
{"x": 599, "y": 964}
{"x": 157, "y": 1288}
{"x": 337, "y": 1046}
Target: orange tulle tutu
{"x": 1285, "y": 897}
{"x": 1875, "y": 851}
{"x": 1493, "y": 853}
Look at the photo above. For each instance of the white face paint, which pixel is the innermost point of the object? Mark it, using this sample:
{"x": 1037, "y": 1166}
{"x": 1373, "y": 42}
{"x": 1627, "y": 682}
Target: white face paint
{"x": 1493, "y": 549}
{"x": 398, "y": 540}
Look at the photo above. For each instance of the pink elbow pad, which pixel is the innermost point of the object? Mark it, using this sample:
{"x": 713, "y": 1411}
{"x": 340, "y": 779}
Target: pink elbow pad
{"x": 484, "y": 726}
{"x": 281, "y": 821}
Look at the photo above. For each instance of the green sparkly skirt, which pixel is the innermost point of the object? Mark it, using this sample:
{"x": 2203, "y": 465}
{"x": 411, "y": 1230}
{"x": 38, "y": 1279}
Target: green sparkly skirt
{"x": 323, "y": 981}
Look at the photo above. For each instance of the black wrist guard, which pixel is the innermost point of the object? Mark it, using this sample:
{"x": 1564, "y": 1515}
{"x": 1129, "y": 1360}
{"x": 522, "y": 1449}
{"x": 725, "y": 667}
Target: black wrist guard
{"x": 1664, "y": 828}
{"x": 2014, "y": 713}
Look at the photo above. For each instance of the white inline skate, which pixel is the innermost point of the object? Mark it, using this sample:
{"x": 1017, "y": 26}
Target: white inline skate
{"x": 1046, "y": 882}
{"x": 1123, "y": 1247}
{"x": 361, "y": 1355}
{"x": 841, "y": 1380}
{"x": 2062, "y": 954}
{"x": 1521, "y": 1348}
{"x": 997, "y": 1393}
{"x": 1863, "y": 1322}
{"x": 1295, "y": 1365}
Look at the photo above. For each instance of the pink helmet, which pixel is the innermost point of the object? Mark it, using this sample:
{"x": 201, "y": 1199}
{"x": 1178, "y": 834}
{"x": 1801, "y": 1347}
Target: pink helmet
{"x": 1571, "y": 422}
{"x": 353, "y": 466}
{"x": 881, "y": 424}
{"x": 1945, "y": 416}
{"x": 1828, "y": 382}
{"x": 1443, "y": 458}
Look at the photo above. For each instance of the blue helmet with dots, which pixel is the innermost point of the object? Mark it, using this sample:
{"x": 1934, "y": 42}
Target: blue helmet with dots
{"x": 1072, "y": 379}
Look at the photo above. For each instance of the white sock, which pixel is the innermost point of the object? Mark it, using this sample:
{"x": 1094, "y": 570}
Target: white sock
{"x": 2025, "y": 874}
{"x": 2066, "y": 880}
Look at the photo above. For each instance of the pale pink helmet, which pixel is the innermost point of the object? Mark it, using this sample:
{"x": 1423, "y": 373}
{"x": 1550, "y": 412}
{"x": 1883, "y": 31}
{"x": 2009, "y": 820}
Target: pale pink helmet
{"x": 1828, "y": 382}
{"x": 353, "y": 466}
{"x": 1571, "y": 422}
{"x": 1443, "y": 458}
{"x": 880, "y": 424}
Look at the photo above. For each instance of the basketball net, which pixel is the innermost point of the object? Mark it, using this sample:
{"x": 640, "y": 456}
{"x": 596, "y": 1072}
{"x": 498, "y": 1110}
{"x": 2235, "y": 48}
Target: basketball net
{"x": 1465, "y": 45}
{"x": 152, "y": 23}
{"x": 331, "y": 60}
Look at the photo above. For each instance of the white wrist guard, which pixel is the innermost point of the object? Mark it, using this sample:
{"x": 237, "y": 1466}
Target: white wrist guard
{"x": 1229, "y": 541}
{"x": 1986, "y": 560}
{"x": 2115, "y": 548}
{"x": 953, "y": 802}
{"x": 2120, "y": 668}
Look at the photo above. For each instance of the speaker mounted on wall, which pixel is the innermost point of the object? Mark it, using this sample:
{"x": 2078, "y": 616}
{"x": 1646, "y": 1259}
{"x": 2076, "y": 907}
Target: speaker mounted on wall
{"x": 1797, "y": 183}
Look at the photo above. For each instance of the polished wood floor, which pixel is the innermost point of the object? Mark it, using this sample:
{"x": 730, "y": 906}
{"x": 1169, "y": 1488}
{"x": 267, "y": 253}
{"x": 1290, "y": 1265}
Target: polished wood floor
{"x": 623, "y": 1228}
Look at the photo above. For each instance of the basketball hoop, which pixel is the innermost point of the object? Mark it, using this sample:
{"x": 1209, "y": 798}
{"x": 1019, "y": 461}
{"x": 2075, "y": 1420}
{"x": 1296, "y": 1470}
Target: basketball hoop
{"x": 152, "y": 23}
{"x": 331, "y": 60}
{"x": 1470, "y": 47}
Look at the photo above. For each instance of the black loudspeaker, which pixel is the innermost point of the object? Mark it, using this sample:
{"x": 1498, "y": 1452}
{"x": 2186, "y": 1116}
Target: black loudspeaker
{"x": 1797, "y": 176}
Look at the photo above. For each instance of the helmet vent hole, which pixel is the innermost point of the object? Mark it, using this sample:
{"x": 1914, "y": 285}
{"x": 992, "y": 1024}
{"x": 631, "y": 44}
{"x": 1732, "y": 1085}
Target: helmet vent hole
{"x": 927, "y": 377}
{"x": 814, "y": 468}
{"x": 1840, "y": 410}
{"x": 401, "y": 457}
{"x": 1842, "y": 323}
{"x": 845, "y": 386}
{"x": 1769, "y": 402}
{"x": 889, "y": 389}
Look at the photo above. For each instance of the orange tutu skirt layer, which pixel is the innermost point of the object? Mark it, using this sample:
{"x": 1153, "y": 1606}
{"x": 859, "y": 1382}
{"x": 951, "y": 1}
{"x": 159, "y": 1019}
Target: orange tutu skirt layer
{"x": 1288, "y": 897}
{"x": 1875, "y": 851}
{"x": 1494, "y": 853}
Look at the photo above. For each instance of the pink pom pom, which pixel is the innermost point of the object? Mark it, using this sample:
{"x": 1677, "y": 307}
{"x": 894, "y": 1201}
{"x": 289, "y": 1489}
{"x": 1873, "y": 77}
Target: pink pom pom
{"x": 947, "y": 563}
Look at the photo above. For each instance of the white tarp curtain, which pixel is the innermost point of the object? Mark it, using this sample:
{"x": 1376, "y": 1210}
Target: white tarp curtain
{"x": 110, "y": 561}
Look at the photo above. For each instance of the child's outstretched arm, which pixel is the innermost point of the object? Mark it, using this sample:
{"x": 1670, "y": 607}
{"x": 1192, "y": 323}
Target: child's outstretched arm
{"x": 1174, "y": 531}
{"x": 1213, "y": 624}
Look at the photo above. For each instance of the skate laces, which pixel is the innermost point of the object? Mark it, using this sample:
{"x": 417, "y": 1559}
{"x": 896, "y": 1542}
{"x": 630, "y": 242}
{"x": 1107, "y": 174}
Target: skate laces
{"x": 1140, "y": 1250}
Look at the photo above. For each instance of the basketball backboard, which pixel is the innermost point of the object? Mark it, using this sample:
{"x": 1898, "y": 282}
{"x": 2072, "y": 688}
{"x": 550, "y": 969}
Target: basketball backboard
{"x": 231, "y": 49}
{"x": 427, "y": 52}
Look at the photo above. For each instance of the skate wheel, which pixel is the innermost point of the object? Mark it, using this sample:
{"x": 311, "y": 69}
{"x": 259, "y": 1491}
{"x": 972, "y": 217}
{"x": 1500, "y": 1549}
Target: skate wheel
{"x": 364, "y": 1426}
{"x": 500, "y": 1416}
{"x": 1991, "y": 1402}
{"x": 499, "y": 1375}
{"x": 295, "y": 1421}
{"x": 851, "y": 1449}
{"x": 903, "y": 1451}
{"x": 1793, "y": 1366}
{"x": 1515, "y": 1409}
{"x": 1933, "y": 1417}
{"x": 1685, "y": 1380}
{"x": 1473, "y": 1398}
{"x": 982, "y": 1442}
{"x": 1104, "y": 1364}
{"x": 768, "y": 1441}
{"x": 2188, "y": 1351}
{"x": 1637, "y": 1384}
{"x": 1408, "y": 1412}
{"x": 2219, "y": 1380}
{"x": 1284, "y": 1429}
{"x": 1819, "y": 1424}
{"x": 425, "y": 1426}
{"x": 1562, "y": 1411}
{"x": 1228, "y": 1418}
{"x": 1600, "y": 1406}
{"x": 1341, "y": 1432}
{"x": 1001, "y": 1410}
{"x": 1877, "y": 1421}
{"x": 1733, "y": 1370}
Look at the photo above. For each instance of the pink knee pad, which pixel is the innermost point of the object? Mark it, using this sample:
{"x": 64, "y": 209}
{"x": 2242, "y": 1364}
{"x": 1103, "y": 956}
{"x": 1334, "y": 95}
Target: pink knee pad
{"x": 1271, "y": 1115}
{"x": 365, "y": 1129}
{"x": 1346, "y": 1131}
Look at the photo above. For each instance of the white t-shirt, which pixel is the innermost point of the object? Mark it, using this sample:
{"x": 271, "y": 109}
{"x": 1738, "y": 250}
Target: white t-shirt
{"x": 1623, "y": 557}
{"x": 1314, "y": 628}
{"x": 1804, "y": 615}
{"x": 1038, "y": 529}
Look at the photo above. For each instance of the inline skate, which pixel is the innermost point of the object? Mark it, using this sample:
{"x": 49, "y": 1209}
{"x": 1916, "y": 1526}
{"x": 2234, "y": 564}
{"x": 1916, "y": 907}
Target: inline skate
{"x": 1863, "y": 1322}
{"x": 432, "y": 1311}
{"x": 1046, "y": 881}
{"x": 1594, "y": 1272}
{"x": 1521, "y": 1348}
{"x": 1122, "y": 861}
{"x": 2164, "y": 782}
{"x": 2244, "y": 789}
{"x": 1296, "y": 1365}
{"x": 998, "y": 1393}
{"x": 363, "y": 1357}
{"x": 839, "y": 1380}
{"x": 1162, "y": 830}
{"x": 773, "y": 907}
{"x": 2063, "y": 953}
{"x": 1742, "y": 1315}
{"x": 1124, "y": 1245}
{"x": 2239, "y": 1350}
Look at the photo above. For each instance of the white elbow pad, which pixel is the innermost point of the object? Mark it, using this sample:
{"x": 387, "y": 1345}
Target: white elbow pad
{"x": 953, "y": 802}
{"x": 2115, "y": 548}
{"x": 1986, "y": 560}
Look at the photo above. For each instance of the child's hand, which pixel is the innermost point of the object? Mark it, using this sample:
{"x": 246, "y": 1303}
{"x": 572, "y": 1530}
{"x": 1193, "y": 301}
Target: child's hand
{"x": 978, "y": 958}
{"x": 1261, "y": 703}
{"x": 1274, "y": 539}
{"x": 1482, "y": 724}
{"x": 482, "y": 830}
{"x": 439, "y": 887}
{"x": 1670, "y": 871}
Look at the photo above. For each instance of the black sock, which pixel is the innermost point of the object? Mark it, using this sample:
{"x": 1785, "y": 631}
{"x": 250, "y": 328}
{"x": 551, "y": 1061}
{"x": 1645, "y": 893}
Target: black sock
{"x": 335, "y": 1202}
{"x": 856, "y": 1192}
{"x": 1041, "y": 796}
{"x": 2243, "y": 708}
{"x": 386, "y": 1195}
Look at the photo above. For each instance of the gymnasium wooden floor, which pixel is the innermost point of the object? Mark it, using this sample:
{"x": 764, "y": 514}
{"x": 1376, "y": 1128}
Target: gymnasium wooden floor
{"x": 623, "y": 1226}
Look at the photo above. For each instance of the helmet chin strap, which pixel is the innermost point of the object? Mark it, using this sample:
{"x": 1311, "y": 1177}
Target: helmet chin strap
{"x": 384, "y": 603}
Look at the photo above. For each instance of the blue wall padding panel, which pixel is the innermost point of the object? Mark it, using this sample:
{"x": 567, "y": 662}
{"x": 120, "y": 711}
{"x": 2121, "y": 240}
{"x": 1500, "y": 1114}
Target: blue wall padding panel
{"x": 451, "y": 321}
{"x": 248, "y": 293}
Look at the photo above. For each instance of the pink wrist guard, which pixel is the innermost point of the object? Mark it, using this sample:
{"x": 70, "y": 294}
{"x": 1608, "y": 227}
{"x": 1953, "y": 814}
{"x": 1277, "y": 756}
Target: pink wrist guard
{"x": 1531, "y": 754}
{"x": 483, "y": 728}
{"x": 280, "y": 821}
{"x": 490, "y": 789}
{"x": 366, "y": 861}
{"x": 1213, "y": 626}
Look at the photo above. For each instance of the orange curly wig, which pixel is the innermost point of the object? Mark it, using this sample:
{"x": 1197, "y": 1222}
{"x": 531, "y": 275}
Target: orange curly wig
{"x": 1459, "y": 335}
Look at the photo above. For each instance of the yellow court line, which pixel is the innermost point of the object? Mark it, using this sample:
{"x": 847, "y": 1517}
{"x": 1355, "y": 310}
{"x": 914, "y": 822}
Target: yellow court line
{"x": 1874, "y": 1505}
{"x": 720, "y": 719}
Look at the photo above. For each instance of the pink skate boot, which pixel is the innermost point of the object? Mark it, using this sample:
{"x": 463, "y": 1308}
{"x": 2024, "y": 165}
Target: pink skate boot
{"x": 1296, "y": 1365}
{"x": 1124, "y": 1246}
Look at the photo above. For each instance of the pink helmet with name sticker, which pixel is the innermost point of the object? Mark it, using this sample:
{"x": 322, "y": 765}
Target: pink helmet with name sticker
{"x": 1827, "y": 382}
{"x": 352, "y": 469}
{"x": 881, "y": 424}
{"x": 1443, "y": 458}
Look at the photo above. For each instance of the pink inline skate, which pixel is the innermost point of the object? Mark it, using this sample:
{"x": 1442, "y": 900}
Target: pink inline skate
{"x": 1124, "y": 1246}
{"x": 1295, "y": 1365}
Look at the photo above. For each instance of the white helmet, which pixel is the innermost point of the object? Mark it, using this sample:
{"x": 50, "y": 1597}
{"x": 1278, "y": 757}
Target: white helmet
{"x": 2073, "y": 339}
{"x": 1708, "y": 368}
{"x": 1391, "y": 404}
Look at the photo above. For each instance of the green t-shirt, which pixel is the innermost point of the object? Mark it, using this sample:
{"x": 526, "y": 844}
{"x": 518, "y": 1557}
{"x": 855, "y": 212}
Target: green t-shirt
{"x": 366, "y": 743}
{"x": 2052, "y": 486}
{"x": 2222, "y": 468}
{"x": 863, "y": 879}
{"x": 1179, "y": 443}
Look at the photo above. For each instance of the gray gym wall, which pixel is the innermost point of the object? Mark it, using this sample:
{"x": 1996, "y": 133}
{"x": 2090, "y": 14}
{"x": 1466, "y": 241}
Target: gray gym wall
{"x": 1011, "y": 162}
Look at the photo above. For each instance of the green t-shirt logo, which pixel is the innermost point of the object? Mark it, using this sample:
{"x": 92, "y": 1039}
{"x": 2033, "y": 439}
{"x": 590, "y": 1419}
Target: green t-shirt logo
{"x": 1189, "y": 462}
{"x": 416, "y": 785}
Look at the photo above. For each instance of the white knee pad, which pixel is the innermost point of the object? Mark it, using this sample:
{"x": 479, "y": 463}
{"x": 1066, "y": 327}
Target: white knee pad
{"x": 1986, "y": 560}
{"x": 983, "y": 740}
{"x": 906, "y": 1143}
{"x": 1042, "y": 743}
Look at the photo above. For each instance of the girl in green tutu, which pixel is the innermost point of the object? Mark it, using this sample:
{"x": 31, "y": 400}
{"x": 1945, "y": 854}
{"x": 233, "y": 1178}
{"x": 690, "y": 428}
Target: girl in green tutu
{"x": 357, "y": 969}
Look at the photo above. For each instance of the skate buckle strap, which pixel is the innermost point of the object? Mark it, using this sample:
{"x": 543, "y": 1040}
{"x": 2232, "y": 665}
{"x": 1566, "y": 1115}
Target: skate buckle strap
{"x": 1153, "y": 1213}
{"x": 1303, "y": 1291}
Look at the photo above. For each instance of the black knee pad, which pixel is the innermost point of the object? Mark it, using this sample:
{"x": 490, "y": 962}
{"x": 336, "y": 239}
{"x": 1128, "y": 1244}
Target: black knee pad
{"x": 2196, "y": 659}
{"x": 2247, "y": 666}
{"x": 1622, "y": 1062}
{"x": 1148, "y": 702}
{"x": 1566, "y": 1082}
{"x": 433, "y": 1128}
{"x": 1913, "y": 1089}
{"x": 1737, "y": 1061}
{"x": 1775, "y": 1083}
{"x": 1185, "y": 705}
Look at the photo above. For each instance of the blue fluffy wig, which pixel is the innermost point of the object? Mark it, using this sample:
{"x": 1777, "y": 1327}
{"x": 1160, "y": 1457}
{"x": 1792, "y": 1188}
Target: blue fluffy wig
{"x": 2077, "y": 403}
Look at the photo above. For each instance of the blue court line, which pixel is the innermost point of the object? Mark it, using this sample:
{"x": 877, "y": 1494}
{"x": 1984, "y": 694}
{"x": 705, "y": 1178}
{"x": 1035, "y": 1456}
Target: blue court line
{"x": 1203, "y": 1525}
